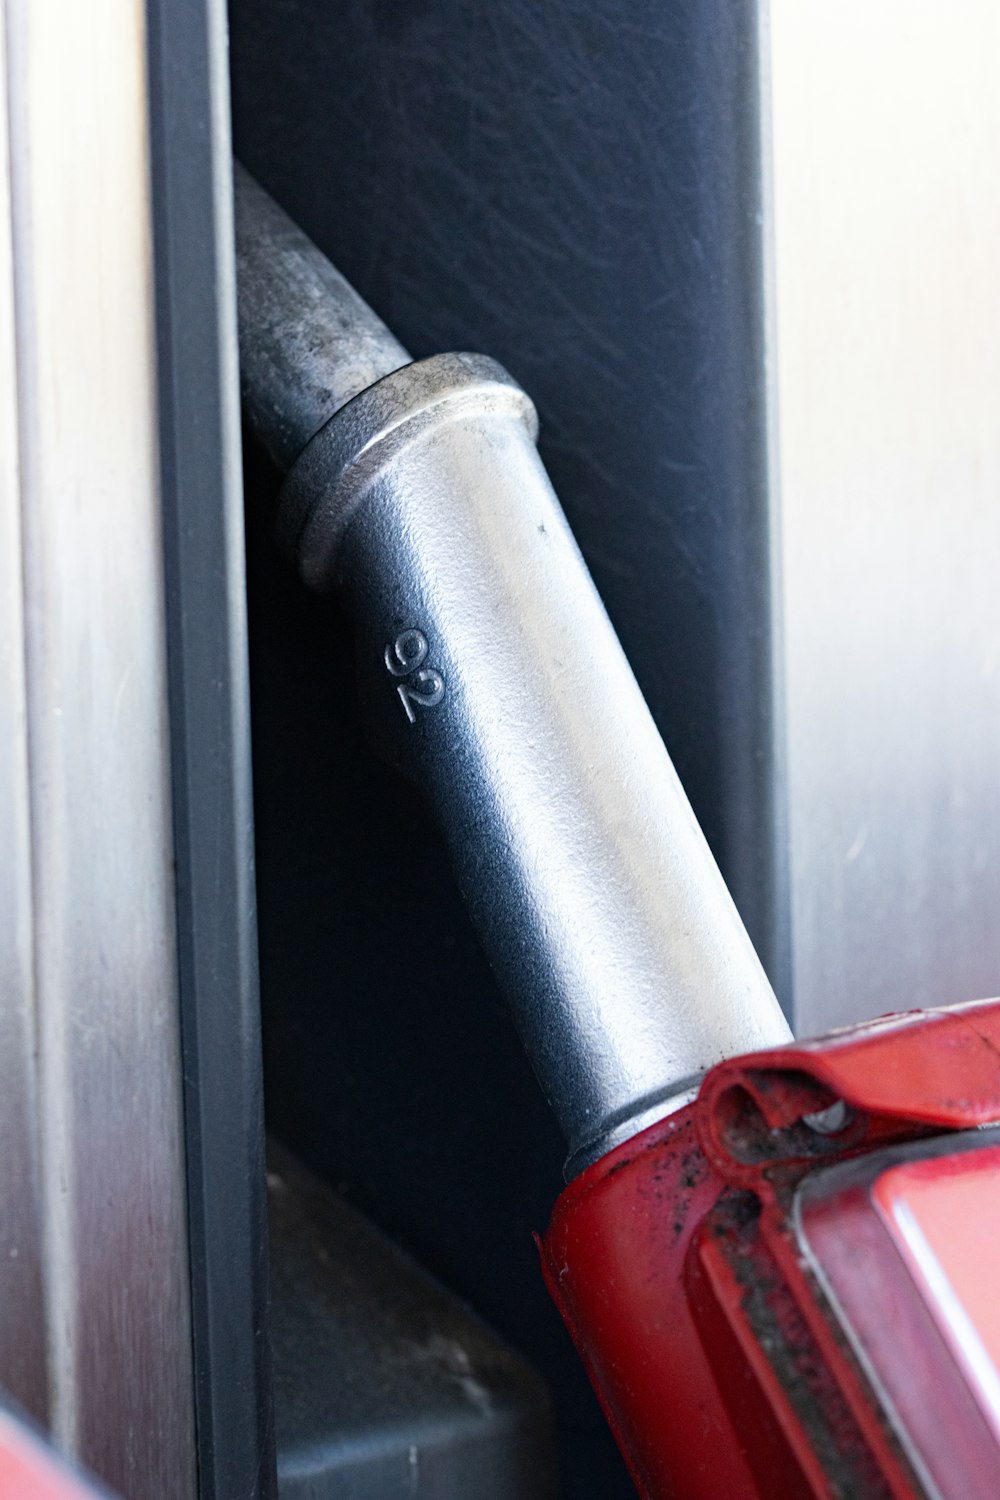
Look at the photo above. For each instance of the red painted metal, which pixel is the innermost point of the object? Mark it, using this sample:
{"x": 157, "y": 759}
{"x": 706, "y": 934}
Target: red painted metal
{"x": 676, "y": 1264}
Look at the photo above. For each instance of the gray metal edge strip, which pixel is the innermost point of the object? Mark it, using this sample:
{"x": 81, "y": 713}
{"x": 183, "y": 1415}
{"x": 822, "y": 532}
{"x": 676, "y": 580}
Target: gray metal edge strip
{"x": 210, "y": 743}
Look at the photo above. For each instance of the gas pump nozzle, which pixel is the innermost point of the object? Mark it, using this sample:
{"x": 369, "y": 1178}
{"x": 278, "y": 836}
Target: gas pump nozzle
{"x": 705, "y": 1255}
{"x": 491, "y": 675}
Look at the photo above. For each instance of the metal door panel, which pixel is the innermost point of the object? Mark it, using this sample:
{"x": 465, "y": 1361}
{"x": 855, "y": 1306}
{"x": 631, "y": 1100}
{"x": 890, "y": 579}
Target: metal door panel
{"x": 105, "y": 1077}
{"x": 22, "y": 1329}
{"x": 887, "y": 239}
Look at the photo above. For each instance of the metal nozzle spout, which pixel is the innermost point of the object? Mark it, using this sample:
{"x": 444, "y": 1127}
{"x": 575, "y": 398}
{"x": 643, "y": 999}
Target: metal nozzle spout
{"x": 491, "y": 675}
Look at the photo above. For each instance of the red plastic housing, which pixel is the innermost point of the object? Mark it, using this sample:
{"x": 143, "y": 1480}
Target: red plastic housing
{"x": 688, "y": 1268}
{"x": 904, "y": 1247}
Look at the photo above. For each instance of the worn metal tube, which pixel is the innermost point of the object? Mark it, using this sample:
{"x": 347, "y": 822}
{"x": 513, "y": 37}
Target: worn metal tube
{"x": 308, "y": 342}
{"x": 491, "y": 675}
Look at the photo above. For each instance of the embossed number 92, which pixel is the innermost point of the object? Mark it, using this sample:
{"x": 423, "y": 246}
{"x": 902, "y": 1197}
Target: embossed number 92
{"x": 424, "y": 686}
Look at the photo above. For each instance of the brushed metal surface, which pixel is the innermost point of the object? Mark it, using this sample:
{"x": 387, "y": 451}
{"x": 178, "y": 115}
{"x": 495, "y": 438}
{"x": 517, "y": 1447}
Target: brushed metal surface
{"x": 22, "y": 1317}
{"x": 490, "y": 673}
{"x": 886, "y": 145}
{"x": 106, "y": 1058}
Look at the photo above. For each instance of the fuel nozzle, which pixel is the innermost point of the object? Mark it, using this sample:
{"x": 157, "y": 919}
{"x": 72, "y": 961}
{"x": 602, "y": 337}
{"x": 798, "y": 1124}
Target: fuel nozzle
{"x": 491, "y": 675}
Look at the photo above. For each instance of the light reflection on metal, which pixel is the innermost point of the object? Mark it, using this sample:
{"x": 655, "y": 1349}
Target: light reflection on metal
{"x": 22, "y": 1315}
{"x": 886, "y": 148}
{"x": 96, "y": 1063}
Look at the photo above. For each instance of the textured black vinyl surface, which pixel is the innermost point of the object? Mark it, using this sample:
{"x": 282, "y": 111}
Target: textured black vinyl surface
{"x": 572, "y": 187}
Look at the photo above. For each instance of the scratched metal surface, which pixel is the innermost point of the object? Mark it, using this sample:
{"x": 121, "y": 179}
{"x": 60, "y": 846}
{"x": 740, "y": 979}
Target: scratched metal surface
{"x": 90, "y": 1031}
